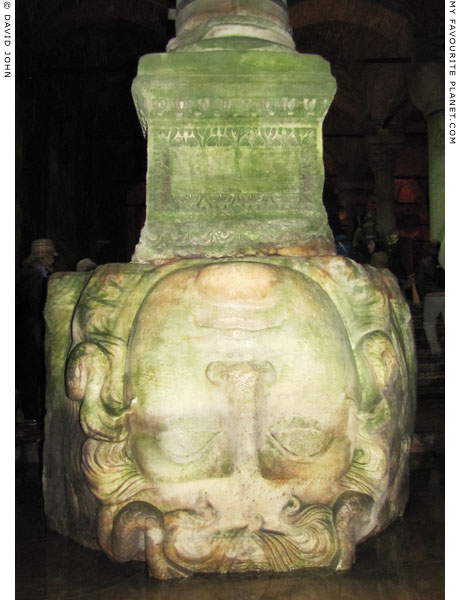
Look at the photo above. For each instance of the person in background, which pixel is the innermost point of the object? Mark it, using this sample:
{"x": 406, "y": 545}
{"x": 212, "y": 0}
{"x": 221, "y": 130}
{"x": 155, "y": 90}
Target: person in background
{"x": 393, "y": 250}
{"x": 31, "y": 286}
{"x": 364, "y": 233}
{"x": 378, "y": 256}
{"x": 430, "y": 281}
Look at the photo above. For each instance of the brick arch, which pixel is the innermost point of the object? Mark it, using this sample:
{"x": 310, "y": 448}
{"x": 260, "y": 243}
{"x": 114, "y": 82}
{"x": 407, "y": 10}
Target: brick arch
{"x": 364, "y": 13}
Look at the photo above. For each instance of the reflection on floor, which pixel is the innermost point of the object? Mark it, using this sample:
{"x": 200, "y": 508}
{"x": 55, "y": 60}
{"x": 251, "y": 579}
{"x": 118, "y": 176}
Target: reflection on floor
{"x": 405, "y": 562}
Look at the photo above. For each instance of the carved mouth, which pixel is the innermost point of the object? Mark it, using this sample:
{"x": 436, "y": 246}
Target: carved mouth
{"x": 306, "y": 538}
{"x": 182, "y": 542}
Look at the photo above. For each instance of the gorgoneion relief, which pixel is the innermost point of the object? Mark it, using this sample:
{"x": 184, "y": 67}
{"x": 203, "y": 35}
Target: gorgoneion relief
{"x": 253, "y": 423}
{"x": 237, "y": 398}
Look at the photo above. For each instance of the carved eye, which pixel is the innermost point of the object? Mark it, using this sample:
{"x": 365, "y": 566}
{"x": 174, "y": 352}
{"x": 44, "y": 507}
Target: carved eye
{"x": 302, "y": 442}
{"x": 184, "y": 445}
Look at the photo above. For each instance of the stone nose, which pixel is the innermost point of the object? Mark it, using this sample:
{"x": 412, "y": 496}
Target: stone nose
{"x": 245, "y": 385}
{"x": 252, "y": 501}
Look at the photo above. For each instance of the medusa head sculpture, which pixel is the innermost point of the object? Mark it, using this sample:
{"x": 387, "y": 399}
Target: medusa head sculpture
{"x": 250, "y": 415}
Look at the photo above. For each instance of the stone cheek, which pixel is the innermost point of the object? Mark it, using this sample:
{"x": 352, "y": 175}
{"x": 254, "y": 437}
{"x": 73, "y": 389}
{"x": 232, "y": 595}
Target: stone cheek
{"x": 235, "y": 160}
{"x": 238, "y": 414}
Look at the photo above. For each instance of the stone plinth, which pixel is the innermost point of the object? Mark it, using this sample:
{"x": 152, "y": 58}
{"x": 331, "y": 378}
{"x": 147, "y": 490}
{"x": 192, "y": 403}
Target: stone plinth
{"x": 235, "y": 153}
{"x": 228, "y": 416}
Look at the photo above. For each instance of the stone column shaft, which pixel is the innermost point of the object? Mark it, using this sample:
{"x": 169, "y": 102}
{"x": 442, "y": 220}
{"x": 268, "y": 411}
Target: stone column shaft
{"x": 436, "y": 180}
{"x": 426, "y": 87}
{"x": 382, "y": 154}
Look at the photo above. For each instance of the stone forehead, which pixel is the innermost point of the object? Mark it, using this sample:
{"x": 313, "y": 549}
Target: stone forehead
{"x": 201, "y": 315}
{"x": 246, "y": 296}
{"x": 244, "y": 283}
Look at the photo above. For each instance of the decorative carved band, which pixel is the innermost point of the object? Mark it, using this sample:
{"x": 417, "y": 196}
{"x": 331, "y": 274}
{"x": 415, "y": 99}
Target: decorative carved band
{"x": 243, "y": 204}
{"x": 228, "y": 237}
{"x": 232, "y": 136}
{"x": 158, "y": 106}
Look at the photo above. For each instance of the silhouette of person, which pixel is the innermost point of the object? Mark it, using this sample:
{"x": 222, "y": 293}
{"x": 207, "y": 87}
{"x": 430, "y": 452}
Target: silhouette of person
{"x": 430, "y": 280}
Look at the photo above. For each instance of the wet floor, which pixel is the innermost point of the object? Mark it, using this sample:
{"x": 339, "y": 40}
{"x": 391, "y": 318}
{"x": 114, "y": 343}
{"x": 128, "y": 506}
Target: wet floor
{"x": 405, "y": 562}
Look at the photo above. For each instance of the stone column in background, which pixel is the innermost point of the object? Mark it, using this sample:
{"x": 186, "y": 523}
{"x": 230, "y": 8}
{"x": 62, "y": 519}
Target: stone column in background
{"x": 382, "y": 151}
{"x": 426, "y": 88}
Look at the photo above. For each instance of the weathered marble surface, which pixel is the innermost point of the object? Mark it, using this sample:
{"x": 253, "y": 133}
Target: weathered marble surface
{"x": 248, "y": 408}
{"x": 234, "y": 152}
{"x": 235, "y": 415}
{"x": 206, "y": 24}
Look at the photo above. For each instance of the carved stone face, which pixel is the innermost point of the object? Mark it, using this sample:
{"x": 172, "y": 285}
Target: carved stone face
{"x": 231, "y": 424}
{"x": 243, "y": 394}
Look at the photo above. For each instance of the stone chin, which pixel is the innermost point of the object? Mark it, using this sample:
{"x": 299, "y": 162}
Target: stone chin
{"x": 246, "y": 442}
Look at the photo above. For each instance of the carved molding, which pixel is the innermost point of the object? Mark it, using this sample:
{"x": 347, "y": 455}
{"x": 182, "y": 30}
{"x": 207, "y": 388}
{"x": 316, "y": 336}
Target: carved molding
{"x": 151, "y": 105}
{"x": 165, "y": 198}
{"x": 232, "y": 136}
{"x": 227, "y": 238}
{"x": 236, "y": 214}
